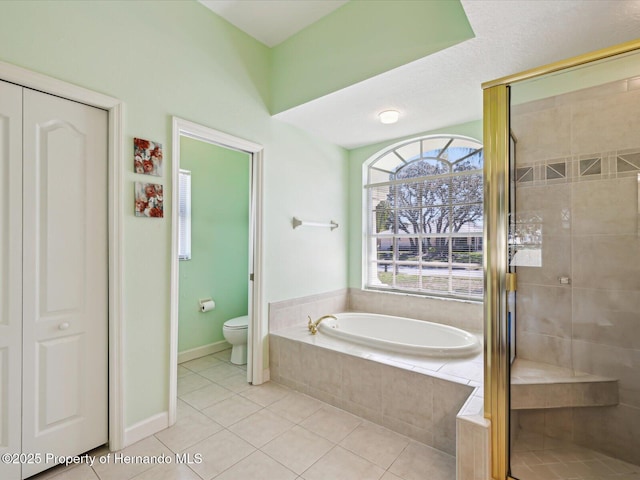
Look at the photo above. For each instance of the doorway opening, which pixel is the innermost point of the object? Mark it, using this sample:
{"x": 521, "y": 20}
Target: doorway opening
{"x": 235, "y": 284}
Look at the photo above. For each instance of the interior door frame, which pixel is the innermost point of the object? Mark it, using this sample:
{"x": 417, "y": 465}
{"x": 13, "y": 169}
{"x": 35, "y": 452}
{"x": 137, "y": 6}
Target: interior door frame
{"x": 256, "y": 331}
{"x": 115, "y": 204}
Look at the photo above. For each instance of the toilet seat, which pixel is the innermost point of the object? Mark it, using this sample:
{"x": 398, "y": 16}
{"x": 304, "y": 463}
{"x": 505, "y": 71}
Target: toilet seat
{"x": 238, "y": 323}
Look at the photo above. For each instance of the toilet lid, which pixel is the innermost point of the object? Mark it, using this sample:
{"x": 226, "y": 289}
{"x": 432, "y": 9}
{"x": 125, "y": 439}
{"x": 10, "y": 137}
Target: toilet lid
{"x": 238, "y": 323}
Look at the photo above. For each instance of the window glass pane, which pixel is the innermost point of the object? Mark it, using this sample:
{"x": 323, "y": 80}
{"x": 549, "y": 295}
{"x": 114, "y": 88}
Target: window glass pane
{"x": 379, "y": 194}
{"x": 436, "y": 219}
{"x": 435, "y": 251}
{"x": 407, "y": 195}
{"x": 408, "y": 249}
{"x": 467, "y": 189}
{"x": 423, "y": 168}
{"x": 434, "y": 145}
{"x": 435, "y": 279}
{"x": 408, "y": 278}
{"x": 467, "y": 283}
{"x": 381, "y": 275}
{"x": 464, "y": 143}
{"x": 389, "y": 162}
{"x": 410, "y": 220}
{"x": 471, "y": 162}
{"x": 467, "y": 253}
{"x": 436, "y": 191}
{"x": 467, "y": 219}
{"x": 409, "y": 152}
{"x": 381, "y": 209}
{"x": 378, "y": 176}
{"x": 382, "y": 219}
{"x": 453, "y": 154}
{"x": 384, "y": 249}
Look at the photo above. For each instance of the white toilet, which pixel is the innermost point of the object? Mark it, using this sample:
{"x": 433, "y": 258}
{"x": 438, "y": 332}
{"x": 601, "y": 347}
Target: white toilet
{"x": 235, "y": 332}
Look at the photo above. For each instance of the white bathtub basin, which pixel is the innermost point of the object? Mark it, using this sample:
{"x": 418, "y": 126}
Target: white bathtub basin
{"x": 402, "y": 335}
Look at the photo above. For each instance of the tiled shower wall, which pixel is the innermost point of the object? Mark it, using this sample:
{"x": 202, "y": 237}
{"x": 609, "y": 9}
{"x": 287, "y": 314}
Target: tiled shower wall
{"x": 578, "y": 159}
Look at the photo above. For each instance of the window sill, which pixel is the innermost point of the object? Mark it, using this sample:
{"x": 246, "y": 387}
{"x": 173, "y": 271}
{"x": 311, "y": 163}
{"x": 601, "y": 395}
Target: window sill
{"x": 406, "y": 293}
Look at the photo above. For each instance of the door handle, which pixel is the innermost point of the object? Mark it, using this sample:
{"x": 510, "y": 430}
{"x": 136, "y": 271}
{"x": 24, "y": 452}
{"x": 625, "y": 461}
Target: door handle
{"x": 63, "y": 326}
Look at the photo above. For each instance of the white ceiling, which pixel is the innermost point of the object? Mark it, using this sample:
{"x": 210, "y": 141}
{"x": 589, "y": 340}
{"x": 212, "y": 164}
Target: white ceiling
{"x": 444, "y": 89}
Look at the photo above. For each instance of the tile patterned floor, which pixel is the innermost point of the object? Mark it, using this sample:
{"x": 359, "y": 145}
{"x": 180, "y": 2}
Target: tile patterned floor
{"x": 566, "y": 461}
{"x": 266, "y": 432}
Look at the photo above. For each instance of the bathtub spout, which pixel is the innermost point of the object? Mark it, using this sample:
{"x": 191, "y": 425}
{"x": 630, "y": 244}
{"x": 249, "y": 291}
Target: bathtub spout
{"x": 313, "y": 326}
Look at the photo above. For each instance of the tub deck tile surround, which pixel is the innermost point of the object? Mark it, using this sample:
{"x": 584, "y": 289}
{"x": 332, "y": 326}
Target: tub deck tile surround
{"x": 466, "y": 315}
{"x": 293, "y": 359}
{"x": 473, "y": 439}
{"x": 415, "y": 396}
{"x": 287, "y": 313}
{"x": 464, "y": 370}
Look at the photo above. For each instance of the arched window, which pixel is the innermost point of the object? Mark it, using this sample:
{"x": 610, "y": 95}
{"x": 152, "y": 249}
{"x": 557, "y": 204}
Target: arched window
{"x": 424, "y": 226}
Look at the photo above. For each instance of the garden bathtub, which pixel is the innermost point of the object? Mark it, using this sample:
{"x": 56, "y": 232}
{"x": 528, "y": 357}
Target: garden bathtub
{"x": 401, "y": 335}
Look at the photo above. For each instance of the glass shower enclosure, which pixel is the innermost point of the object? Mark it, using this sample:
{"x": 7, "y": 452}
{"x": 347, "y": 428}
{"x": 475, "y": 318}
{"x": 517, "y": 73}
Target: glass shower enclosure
{"x": 571, "y": 219}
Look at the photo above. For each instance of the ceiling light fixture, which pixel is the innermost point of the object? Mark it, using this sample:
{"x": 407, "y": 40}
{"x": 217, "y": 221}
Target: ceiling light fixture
{"x": 389, "y": 116}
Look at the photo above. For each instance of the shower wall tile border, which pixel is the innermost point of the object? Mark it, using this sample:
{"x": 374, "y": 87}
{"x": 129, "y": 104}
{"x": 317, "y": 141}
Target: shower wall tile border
{"x": 580, "y": 168}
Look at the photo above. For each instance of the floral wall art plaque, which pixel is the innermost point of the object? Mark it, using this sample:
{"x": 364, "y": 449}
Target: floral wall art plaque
{"x": 147, "y": 157}
{"x": 148, "y": 200}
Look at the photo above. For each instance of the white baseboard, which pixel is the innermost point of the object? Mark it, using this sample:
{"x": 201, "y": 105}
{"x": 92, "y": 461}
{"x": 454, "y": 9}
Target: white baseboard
{"x": 266, "y": 375}
{"x": 145, "y": 428}
{"x": 202, "y": 351}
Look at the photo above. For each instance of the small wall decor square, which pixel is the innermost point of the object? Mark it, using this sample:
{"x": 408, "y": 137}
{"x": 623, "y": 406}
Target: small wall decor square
{"x": 148, "y": 200}
{"x": 147, "y": 157}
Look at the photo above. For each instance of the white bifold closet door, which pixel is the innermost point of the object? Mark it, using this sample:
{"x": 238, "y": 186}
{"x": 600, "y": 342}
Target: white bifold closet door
{"x": 62, "y": 315}
{"x": 10, "y": 276}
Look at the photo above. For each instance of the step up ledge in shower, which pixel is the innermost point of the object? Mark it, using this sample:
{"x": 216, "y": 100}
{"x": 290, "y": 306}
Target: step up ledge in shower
{"x": 559, "y": 395}
{"x": 537, "y": 385}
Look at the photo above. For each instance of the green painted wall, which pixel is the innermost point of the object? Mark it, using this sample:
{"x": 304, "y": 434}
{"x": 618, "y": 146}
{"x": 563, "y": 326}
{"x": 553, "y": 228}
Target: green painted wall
{"x": 359, "y": 40}
{"x": 219, "y": 262}
{"x": 178, "y": 58}
{"x": 357, "y": 157}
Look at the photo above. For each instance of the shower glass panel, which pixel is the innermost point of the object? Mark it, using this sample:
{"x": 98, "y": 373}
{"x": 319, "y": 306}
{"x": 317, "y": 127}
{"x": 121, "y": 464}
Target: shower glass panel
{"x": 574, "y": 241}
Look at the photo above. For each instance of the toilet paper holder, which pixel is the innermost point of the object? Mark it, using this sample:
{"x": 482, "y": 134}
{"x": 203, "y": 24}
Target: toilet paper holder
{"x": 206, "y": 304}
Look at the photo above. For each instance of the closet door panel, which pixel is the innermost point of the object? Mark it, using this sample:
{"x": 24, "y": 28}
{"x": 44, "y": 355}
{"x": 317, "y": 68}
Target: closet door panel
{"x": 61, "y": 164}
{"x": 10, "y": 275}
{"x": 66, "y": 269}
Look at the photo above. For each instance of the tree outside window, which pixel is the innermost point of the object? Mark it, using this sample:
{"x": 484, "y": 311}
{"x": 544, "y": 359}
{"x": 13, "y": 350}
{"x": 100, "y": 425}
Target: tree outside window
{"x": 426, "y": 218}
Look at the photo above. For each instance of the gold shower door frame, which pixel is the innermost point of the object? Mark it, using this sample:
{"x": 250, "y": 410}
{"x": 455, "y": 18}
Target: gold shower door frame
{"x": 496, "y": 206}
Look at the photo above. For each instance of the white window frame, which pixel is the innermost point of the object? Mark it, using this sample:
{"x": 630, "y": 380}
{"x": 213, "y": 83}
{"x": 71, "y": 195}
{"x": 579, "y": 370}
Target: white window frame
{"x": 369, "y": 250}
